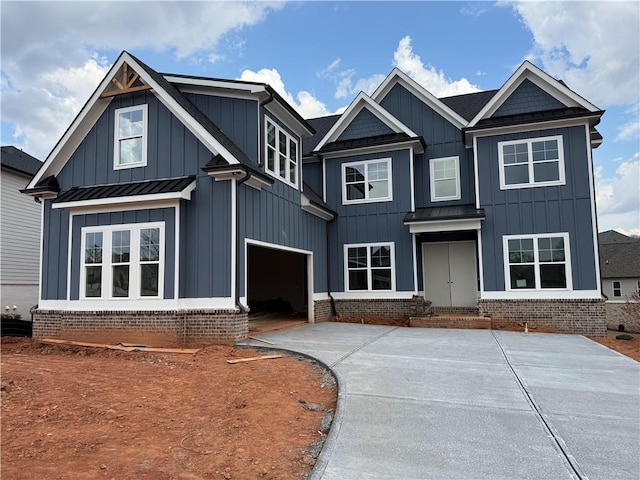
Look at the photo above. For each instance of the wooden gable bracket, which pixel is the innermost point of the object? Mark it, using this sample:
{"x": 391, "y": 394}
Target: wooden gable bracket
{"x": 128, "y": 82}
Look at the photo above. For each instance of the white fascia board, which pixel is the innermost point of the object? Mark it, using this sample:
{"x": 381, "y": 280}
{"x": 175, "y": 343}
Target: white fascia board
{"x": 398, "y": 76}
{"x": 453, "y": 225}
{"x": 307, "y": 206}
{"x": 128, "y": 200}
{"x": 414, "y": 144}
{"x": 540, "y": 78}
{"x": 216, "y": 84}
{"x": 284, "y": 115}
{"x": 360, "y": 102}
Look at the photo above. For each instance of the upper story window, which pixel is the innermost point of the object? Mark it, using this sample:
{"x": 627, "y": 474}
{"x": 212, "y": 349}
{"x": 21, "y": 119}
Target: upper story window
{"x": 130, "y": 148}
{"x": 367, "y": 181}
{"x": 536, "y": 162}
{"x": 537, "y": 262}
{"x": 122, "y": 261}
{"x": 445, "y": 179}
{"x": 282, "y": 154}
{"x": 369, "y": 267}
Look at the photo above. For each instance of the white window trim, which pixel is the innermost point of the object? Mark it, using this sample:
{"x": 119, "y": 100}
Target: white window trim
{"x": 613, "y": 288}
{"x": 432, "y": 180}
{"x": 134, "y": 272}
{"x": 116, "y": 139}
{"x": 529, "y": 141}
{"x": 535, "y": 237}
{"x": 290, "y": 137}
{"x": 345, "y": 257}
{"x": 388, "y": 198}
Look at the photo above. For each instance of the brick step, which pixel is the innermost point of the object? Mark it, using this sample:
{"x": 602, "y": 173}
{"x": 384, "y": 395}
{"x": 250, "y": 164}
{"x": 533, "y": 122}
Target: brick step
{"x": 461, "y": 311}
{"x": 450, "y": 321}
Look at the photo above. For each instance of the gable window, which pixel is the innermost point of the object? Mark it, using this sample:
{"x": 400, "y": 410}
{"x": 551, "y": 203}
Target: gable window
{"x": 369, "y": 267}
{"x": 617, "y": 288}
{"x": 368, "y": 181}
{"x": 536, "y": 162}
{"x": 130, "y": 148}
{"x": 537, "y": 262}
{"x": 444, "y": 178}
{"x": 282, "y": 154}
{"x": 122, "y": 261}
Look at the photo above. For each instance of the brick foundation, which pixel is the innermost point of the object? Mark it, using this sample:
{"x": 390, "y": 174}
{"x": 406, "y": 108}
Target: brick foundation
{"x": 154, "y": 328}
{"x": 379, "y": 308}
{"x": 623, "y": 314}
{"x": 322, "y": 311}
{"x": 585, "y": 317}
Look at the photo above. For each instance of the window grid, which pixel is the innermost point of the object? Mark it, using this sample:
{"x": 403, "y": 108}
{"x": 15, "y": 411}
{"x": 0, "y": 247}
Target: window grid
{"x": 130, "y": 132}
{"x": 366, "y": 181}
{"x": 282, "y": 154}
{"x": 369, "y": 267}
{"x": 445, "y": 178}
{"x": 617, "y": 288}
{"x": 534, "y": 162}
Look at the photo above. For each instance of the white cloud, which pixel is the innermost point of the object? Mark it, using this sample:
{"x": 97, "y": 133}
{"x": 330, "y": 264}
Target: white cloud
{"x": 306, "y": 104}
{"x": 329, "y": 69}
{"x": 593, "y": 46}
{"x": 48, "y": 74}
{"x": 434, "y": 81}
{"x": 473, "y": 10}
{"x": 630, "y": 129}
{"x": 618, "y": 197}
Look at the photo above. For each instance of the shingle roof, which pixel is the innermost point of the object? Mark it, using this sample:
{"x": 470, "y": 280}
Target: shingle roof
{"x": 321, "y": 125}
{"x": 15, "y": 159}
{"x": 470, "y": 104}
{"x": 620, "y": 260}
{"x": 558, "y": 114}
{"x": 611, "y": 236}
{"x": 452, "y": 212}
{"x": 152, "y": 187}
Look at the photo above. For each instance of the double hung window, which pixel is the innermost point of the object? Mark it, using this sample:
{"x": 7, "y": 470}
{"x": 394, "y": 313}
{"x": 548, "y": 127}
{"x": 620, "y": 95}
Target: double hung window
{"x": 445, "y": 178}
{"x": 282, "y": 154}
{"x": 617, "y": 288}
{"x": 368, "y": 181}
{"x": 537, "y": 262}
{"x": 130, "y": 149}
{"x": 369, "y": 267}
{"x": 535, "y": 162}
{"x": 122, "y": 261}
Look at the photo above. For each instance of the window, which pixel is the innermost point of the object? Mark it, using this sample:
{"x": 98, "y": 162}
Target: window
{"x": 282, "y": 154}
{"x": 368, "y": 181}
{"x": 617, "y": 288}
{"x": 535, "y": 162}
{"x": 133, "y": 264}
{"x": 445, "y": 179}
{"x": 130, "y": 137}
{"x": 369, "y": 267}
{"x": 535, "y": 262}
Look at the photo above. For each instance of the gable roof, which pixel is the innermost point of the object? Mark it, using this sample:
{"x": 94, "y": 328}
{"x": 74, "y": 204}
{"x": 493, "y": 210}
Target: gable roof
{"x": 397, "y": 76}
{"x": 468, "y": 105}
{"x": 321, "y": 125}
{"x": 553, "y": 87}
{"x": 363, "y": 101}
{"x": 611, "y": 236}
{"x": 620, "y": 260}
{"x": 19, "y": 161}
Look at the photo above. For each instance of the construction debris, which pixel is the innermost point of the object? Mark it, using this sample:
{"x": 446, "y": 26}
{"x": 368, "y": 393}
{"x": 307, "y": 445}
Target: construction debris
{"x": 252, "y": 359}
{"x": 125, "y": 347}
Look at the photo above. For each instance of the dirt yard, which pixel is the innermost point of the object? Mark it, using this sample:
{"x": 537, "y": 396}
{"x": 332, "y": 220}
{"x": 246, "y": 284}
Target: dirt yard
{"x": 77, "y": 412}
{"x": 630, "y": 348}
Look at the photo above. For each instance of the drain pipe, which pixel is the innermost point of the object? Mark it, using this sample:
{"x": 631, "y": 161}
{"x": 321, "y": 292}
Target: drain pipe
{"x": 239, "y": 182}
{"x": 331, "y": 299}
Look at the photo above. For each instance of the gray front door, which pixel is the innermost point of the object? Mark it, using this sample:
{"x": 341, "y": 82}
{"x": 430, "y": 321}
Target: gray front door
{"x": 450, "y": 274}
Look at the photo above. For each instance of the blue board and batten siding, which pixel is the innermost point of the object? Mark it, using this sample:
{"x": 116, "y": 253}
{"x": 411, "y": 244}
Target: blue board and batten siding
{"x": 55, "y": 253}
{"x": 553, "y": 209}
{"x": 442, "y": 139}
{"x": 371, "y": 222}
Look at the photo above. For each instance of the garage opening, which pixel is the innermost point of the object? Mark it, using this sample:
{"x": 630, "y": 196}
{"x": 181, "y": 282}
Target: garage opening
{"x": 277, "y": 287}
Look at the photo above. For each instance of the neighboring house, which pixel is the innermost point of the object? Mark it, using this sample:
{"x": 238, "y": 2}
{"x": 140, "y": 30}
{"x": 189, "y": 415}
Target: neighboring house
{"x": 19, "y": 234}
{"x": 172, "y": 203}
{"x": 620, "y": 274}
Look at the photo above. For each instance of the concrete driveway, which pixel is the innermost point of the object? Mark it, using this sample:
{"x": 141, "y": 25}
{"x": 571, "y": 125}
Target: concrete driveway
{"x": 473, "y": 404}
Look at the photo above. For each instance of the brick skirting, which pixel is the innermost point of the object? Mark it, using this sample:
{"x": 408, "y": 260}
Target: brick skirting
{"x": 584, "y": 316}
{"x": 153, "y": 328}
{"x": 382, "y": 308}
{"x": 322, "y": 311}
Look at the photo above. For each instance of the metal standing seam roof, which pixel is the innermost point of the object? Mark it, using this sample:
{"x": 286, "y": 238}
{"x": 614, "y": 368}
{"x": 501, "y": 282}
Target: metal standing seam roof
{"x": 15, "y": 159}
{"x": 436, "y": 214}
{"x": 150, "y": 187}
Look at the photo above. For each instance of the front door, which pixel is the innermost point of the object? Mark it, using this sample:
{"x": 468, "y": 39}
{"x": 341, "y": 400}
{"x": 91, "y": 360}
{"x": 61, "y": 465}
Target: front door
{"x": 450, "y": 277}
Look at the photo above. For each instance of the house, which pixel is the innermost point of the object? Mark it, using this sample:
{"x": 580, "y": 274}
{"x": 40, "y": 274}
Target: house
{"x": 19, "y": 234}
{"x": 620, "y": 274}
{"x": 173, "y": 205}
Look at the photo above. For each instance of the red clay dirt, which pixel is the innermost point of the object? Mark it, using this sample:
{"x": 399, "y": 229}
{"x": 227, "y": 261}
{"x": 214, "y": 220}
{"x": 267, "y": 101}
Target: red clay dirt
{"x": 75, "y": 412}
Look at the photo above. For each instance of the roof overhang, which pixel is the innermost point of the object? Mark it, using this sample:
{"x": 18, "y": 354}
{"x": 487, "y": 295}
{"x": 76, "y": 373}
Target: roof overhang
{"x": 434, "y": 226}
{"x": 308, "y": 205}
{"x": 417, "y": 144}
{"x": 445, "y": 219}
{"x": 253, "y": 178}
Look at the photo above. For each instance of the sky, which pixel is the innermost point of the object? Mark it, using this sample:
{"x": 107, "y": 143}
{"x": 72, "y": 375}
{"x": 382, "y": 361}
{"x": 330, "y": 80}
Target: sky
{"x": 319, "y": 55}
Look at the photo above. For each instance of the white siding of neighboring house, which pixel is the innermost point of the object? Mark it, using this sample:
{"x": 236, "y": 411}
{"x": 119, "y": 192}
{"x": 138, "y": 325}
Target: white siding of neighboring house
{"x": 629, "y": 285}
{"x": 19, "y": 244}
